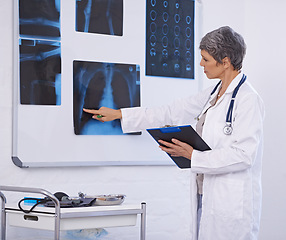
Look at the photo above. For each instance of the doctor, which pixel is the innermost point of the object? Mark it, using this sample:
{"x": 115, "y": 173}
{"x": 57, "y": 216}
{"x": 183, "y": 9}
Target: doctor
{"x": 226, "y": 181}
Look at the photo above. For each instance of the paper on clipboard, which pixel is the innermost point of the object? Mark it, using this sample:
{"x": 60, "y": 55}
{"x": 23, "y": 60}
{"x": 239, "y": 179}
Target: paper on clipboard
{"x": 183, "y": 133}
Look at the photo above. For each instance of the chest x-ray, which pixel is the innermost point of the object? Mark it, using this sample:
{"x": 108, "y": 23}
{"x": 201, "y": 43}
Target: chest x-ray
{"x": 100, "y": 16}
{"x": 97, "y": 84}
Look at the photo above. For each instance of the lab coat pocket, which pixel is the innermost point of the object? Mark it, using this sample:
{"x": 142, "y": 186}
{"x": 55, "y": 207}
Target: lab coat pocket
{"x": 227, "y": 199}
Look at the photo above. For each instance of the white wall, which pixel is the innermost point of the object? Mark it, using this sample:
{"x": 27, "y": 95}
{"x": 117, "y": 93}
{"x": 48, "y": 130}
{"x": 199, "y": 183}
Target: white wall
{"x": 166, "y": 189}
{"x": 266, "y": 42}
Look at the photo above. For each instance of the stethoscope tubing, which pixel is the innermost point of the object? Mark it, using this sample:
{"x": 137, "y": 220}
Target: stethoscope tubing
{"x": 228, "y": 127}
{"x": 231, "y": 104}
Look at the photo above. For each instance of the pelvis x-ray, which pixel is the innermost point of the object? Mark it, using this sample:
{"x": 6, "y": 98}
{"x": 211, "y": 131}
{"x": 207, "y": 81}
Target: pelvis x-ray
{"x": 100, "y": 16}
{"x": 99, "y": 84}
{"x": 170, "y": 38}
{"x": 39, "y": 18}
{"x": 40, "y": 72}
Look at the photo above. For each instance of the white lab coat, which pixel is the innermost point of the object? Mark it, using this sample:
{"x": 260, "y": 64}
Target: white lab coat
{"x": 231, "y": 204}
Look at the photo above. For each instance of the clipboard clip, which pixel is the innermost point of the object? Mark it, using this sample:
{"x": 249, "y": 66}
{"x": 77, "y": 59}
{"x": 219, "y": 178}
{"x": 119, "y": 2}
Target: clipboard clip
{"x": 170, "y": 129}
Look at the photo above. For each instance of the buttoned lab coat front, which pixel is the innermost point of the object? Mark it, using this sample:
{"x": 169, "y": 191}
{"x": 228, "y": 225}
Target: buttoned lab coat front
{"x": 231, "y": 204}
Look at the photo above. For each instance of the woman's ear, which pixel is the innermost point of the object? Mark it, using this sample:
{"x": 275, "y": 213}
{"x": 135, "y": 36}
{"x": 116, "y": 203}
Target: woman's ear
{"x": 226, "y": 62}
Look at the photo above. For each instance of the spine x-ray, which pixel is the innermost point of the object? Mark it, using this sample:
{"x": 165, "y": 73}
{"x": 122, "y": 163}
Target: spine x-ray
{"x": 100, "y": 16}
{"x": 40, "y": 72}
{"x": 40, "y": 52}
{"x": 39, "y": 18}
{"x": 170, "y": 38}
{"x": 97, "y": 84}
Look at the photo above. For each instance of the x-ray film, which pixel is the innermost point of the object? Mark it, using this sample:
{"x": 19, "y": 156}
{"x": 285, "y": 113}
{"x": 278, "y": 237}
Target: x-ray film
{"x": 170, "y": 38}
{"x": 97, "y": 84}
{"x": 40, "y": 72}
{"x": 100, "y": 16}
{"x": 39, "y": 18}
{"x": 40, "y": 52}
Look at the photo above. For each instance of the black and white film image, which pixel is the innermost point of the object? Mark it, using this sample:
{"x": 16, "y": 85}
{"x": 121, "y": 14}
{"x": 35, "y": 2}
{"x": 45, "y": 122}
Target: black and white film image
{"x": 40, "y": 72}
{"x": 40, "y": 19}
{"x": 170, "y": 38}
{"x": 97, "y": 84}
{"x": 100, "y": 16}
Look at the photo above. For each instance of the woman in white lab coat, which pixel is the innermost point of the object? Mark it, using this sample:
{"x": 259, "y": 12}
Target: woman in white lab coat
{"x": 226, "y": 181}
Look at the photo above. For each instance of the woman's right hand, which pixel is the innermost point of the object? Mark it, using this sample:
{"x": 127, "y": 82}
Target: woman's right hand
{"x": 104, "y": 114}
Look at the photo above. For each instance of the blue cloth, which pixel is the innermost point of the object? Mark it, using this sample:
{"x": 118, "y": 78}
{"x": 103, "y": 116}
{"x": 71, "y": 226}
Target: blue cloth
{"x": 199, "y": 211}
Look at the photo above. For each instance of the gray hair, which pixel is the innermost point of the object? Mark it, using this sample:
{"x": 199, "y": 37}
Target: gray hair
{"x": 225, "y": 42}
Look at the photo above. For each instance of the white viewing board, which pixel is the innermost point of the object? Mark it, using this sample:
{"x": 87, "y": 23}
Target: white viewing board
{"x": 44, "y": 129}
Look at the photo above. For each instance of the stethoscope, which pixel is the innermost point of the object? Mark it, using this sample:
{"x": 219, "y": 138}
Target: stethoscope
{"x": 227, "y": 130}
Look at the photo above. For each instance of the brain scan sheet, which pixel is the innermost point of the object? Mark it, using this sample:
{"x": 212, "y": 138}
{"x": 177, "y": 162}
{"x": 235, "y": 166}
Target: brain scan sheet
{"x": 170, "y": 38}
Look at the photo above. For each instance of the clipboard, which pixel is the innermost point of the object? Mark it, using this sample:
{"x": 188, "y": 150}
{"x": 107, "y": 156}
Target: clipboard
{"x": 183, "y": 133}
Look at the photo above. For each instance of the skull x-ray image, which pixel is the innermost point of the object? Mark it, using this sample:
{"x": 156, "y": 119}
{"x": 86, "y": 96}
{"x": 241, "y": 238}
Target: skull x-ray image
{"x": 40, "y": 72}
{"x": 100, "y": 16}
{"x": 170, "y": 38}
{"x": 39, "y": 18}
{"x": 97, "y": 84}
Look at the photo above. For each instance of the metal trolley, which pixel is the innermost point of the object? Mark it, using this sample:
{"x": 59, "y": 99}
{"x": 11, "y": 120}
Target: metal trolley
{"x": 58, "y": 215}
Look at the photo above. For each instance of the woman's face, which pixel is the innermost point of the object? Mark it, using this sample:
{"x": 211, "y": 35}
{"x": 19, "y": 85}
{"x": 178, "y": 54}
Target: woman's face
{"x": 212, "y": 68}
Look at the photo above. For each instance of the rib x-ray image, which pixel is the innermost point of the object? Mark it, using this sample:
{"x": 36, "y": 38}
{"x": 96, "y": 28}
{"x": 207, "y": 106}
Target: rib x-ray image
{"x": 170, "y": 38}
{"x": 97, "y": 84}
{"x": 100, "y": 16}
{"x": 40, "y": 72}
{"x": 39, "y": 18}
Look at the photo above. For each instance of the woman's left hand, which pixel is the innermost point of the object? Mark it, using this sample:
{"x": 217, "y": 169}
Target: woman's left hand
{"x": 177, "y": 148}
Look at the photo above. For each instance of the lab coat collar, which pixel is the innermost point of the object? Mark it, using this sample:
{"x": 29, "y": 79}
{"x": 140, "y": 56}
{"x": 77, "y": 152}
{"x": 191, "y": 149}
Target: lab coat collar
{"x": 234, "y": 83}
{"x": 230, "y": 88}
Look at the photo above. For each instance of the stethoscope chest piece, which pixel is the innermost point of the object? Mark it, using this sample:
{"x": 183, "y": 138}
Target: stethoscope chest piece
{"x": 227, "y": 130}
